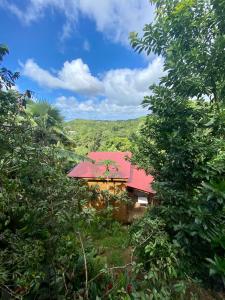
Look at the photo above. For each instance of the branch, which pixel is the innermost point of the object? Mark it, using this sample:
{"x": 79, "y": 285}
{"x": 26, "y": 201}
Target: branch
{"x": 10, "y": 292}
{"x": 85, "y": 266}
{"x": 132, "y": 254}
{"x": 64, "y": 280}
{"x": 110, "y": 269}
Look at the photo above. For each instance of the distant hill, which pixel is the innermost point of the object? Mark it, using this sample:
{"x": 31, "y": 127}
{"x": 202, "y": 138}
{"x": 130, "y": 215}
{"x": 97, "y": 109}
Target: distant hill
{"x": 91, "y": 135}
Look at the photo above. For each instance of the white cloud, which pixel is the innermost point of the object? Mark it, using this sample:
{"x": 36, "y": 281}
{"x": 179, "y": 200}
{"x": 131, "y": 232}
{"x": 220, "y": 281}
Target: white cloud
{"x": 121, "y": 86}
{"x": 124, "y": 90}
{"x": 117, "y": 18}
{"x": 71, "y": 108}
{"x": 74, "y": 76}
{"x": 114, "y": 18}
{"x": 127, "y": 86}
{"x": 35, "y": 9}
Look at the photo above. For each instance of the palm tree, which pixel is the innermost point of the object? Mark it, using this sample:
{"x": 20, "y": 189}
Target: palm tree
{"x": 49, "y": 129}
{"x": 44, "y": 113}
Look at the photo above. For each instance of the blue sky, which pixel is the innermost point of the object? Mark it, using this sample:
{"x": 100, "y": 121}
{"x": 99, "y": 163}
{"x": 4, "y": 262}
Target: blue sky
{"x": 76, "y": 54}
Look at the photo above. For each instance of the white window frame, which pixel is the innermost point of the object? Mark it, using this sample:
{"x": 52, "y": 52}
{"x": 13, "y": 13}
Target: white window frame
{"x": 142, "y": 200}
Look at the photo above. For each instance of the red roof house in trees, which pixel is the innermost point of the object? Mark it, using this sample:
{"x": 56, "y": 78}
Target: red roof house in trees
{"x": 114, "y": 172}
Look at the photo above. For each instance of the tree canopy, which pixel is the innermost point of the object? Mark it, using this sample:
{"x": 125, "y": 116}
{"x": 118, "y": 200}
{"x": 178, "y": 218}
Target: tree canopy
{"x": 46, "y": 223}
{"x": 95, "y": 135}
{"x": 182, "y": 141}
{"x": 42, "y": 217}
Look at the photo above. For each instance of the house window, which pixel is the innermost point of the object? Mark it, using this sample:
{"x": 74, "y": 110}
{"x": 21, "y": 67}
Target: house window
{"x": 143, "y": 201}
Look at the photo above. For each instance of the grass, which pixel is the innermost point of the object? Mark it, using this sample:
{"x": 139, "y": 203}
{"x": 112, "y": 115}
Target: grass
{"x": 111, "y": 241}
{"x": 116, "y": 254}
{"x": 113, "y": 244}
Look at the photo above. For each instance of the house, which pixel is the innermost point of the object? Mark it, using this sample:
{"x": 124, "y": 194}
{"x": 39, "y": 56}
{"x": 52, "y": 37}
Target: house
{"x": 114, "y": 172}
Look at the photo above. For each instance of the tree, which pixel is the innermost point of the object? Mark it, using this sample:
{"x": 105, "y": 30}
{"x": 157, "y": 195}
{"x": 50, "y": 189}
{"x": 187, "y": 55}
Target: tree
{"x": 7, "y": 78}
{"x": 44, "y": 112}
{"x": 184, "y": 135}
{"x": 189, "y": 34}
{"x": 49, "y": 123}
{"x": 41, "y": 247}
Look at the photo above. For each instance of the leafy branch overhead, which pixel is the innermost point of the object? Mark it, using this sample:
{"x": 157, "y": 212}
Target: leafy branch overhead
{"x": 7, "y": 77}
{"x": 189, "y": 35}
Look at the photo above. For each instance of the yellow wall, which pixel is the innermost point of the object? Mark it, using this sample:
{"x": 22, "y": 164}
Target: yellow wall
{"x": 123, "y": 212}
{"x": 115, "y": 187}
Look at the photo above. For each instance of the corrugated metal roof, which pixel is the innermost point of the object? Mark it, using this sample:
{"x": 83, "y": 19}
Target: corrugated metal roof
{"x": 140, "y": 180}
{"x": 119, "y": 167}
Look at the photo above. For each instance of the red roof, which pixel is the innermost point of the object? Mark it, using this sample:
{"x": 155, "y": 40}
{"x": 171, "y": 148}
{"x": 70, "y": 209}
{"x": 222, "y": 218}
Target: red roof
{"x": 140, "y": 180}
{"x": 119, "y": 168}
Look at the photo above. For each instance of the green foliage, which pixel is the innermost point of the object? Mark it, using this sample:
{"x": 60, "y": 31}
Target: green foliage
{"x": 102, "y": 135}
{"x": 189, "y": 34}
{"x": 110, "y": 239}
{"x": 42, "y": 111}
{"x": 51, "y": 246}
{"x": 44, "y": 253}
{"x": 47, "y": 123}
{"x": 182, "y": 141}
{"x": 52, "y": 242}
{"x": 39, "y": 208}
{"x": 7, "y": 78}
{"x": 157, "y": 258}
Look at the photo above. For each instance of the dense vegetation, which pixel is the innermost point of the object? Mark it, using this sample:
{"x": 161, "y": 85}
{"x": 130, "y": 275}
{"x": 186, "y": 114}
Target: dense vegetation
{"x": 102, "y": 135}
{"x": 182, "y": 143}
{"x": 50, "y": 244}
{"x": 54, "y": 246}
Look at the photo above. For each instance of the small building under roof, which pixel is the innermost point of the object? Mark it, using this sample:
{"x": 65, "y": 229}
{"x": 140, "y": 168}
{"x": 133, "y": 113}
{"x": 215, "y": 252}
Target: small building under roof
{"x": 114, "y": 172}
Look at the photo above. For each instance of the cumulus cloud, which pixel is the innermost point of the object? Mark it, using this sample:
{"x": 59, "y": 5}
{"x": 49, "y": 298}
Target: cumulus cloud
{"x": 117, "y": 18}
{"x": 74, "y": 76}
{"x": 121, "y": 86}
{"x": 71, "y": 108}
{"x": 129, "y": 86}
{"x": 114, "y": 18}
{"x": 124, "y": 90}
